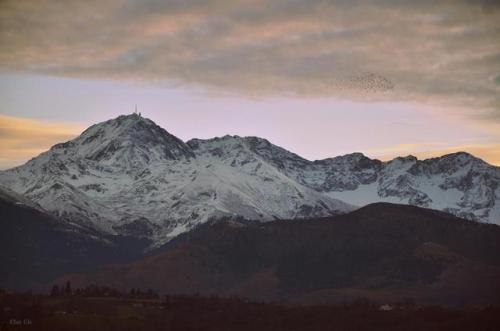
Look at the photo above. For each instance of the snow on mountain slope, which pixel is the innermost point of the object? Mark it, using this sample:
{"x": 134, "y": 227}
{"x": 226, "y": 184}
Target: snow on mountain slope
{"x": 457, "y": 183}
{"x": 17, "y": 199}
{"x": 129, "y": 176}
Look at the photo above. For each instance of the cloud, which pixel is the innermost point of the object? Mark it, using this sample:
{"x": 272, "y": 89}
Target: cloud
{"x": 22, "y": 139}
{"x": 439, "y": 52}
{"x": 487, "y": 152}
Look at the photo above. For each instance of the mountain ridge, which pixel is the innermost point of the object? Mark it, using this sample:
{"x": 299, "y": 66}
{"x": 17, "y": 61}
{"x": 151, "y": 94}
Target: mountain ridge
{"x": 129, "y": 176}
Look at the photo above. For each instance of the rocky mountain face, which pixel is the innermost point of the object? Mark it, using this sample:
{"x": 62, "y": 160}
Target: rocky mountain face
{"x": 383, "y": 252}
{"x": 456, "y": 183}
{"x": 130, "y": 177}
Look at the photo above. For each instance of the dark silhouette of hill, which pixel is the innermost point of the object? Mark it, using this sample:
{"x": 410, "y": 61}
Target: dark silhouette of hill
{"x": 36, "y": 247}
{"x": 383, "y": 252}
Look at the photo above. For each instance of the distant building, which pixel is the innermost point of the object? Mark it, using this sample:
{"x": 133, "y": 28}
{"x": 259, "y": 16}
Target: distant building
{"x": 386, "y": 307}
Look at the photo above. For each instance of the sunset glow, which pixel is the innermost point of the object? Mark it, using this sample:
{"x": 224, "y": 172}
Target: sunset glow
{"x": 318, "y": 78}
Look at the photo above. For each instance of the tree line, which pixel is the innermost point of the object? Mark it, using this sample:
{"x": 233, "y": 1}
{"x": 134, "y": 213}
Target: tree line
{"x": 95, "y": 290}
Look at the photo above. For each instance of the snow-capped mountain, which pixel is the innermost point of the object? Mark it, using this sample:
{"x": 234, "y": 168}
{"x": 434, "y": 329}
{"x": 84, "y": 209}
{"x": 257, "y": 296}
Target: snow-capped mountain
{"x": 458, "y": 183}
{"x": 129, "y": 176}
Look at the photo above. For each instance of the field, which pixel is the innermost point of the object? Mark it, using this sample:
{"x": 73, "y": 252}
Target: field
{"x": 35, "y": 312}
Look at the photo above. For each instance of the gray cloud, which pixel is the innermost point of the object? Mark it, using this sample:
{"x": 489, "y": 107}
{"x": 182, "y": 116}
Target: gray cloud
{"x": 439, "y": 52}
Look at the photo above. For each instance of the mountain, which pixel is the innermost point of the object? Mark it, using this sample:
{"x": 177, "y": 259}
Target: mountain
{"x": 383, "y": 252}
{"x": 457, "y": 183}
{"x": 36, "y": 247}
{"x": 128, "y": 176}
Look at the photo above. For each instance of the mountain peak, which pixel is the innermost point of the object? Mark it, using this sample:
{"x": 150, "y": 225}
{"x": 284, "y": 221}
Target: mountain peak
{"x": 460, "y": 157}
{"x": 455, "y": 161}
{"x": 404, "y": 159}
{"x": 128, "y": 174}
{"x": 121, "y": 124}
{"x": 356, "y": 156}
{"x": 355, "y": 159}
{"x": 127, "y": 140}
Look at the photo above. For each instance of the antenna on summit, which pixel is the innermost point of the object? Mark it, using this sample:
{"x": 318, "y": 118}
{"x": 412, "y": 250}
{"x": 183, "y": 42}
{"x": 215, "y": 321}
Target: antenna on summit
{"x": 136, "y": 112}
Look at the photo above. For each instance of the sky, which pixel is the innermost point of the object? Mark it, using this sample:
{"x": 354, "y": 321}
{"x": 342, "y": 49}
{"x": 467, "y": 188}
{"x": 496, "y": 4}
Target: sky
{"x": 319, "y": 78}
